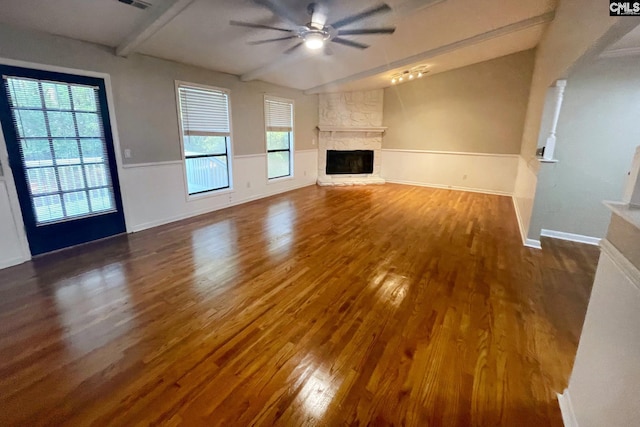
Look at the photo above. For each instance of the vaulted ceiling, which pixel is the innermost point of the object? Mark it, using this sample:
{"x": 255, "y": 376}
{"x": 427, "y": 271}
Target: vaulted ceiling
{"x": 440, "y": 34}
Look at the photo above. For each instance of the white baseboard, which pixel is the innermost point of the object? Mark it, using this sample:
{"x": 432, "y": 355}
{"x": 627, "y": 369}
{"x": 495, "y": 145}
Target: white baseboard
{"x": 5, "y": 263}
{"x": 568, "y": 416}
{"x": 531, "y": 243}
{"x": 145, "y": 226}
{"x": 579, "y": 238}
{"x": 448, "y": 187}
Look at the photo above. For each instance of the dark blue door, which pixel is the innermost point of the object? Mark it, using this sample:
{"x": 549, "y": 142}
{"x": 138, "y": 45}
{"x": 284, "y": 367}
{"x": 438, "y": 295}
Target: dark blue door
{"x": 58, "y": 135}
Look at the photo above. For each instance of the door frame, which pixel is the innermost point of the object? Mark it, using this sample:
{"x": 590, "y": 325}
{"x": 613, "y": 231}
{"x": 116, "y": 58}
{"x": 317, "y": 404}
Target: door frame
{"x": 8, "y": 175}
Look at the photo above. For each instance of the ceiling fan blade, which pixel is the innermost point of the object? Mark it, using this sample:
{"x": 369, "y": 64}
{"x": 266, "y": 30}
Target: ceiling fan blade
{"x": 271, "y": 40}
{"x": 293, "y": 48}
{"x": 252, "y": 25}
{"x": 349, "y": 43}
{"x": 278, "y": 10}
{"x": 382, "y": 8}
{"x": 389, "y": 30}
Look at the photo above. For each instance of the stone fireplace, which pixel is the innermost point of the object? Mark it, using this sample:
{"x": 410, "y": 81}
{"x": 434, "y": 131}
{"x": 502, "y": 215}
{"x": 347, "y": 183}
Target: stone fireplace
{"x": 350, "y": 122}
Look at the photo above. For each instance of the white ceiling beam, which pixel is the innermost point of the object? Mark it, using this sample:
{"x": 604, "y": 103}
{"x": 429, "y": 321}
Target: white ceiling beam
{"x": 159, "y": 16}
{"x": 404, "y": 9}
{"x": 273, "y": 65}
{"x": 498, "y": 32}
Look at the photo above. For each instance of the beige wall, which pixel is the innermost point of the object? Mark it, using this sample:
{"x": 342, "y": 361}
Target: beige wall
{"x": 144, "y": 95}
{"x": 479, "y": 108}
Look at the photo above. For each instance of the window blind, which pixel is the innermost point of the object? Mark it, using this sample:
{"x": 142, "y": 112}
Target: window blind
{"x": 278, "y": 115}
{"x": 205, "y": 112}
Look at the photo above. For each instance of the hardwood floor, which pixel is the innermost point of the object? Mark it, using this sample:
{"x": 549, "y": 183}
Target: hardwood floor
{"x": 381, "y": 305}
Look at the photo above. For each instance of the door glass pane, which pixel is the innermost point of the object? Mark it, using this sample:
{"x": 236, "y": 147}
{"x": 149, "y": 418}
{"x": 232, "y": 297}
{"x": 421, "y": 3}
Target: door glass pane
{"x": 37, "y": 152}
{"x": 88, "y": 124}
{"x": 48, "y": 208}
{"x": 42, "y": 180}
{"x": 71, "y": 178}
{"x": 61, "y": 124}
{"x": 101, "y": 200}
{"x": 278, "y": 164}
{"x": 76, "y": 203}
{"x": 92, "y": 151}
{"x": 56, "y": 96}
{"x": 30, "y": 124}
{"x": 84, "y": 98}
{"x": 96, "y": 175}
{"x": 25, "y": 93}
{"x": 66, "y": 151}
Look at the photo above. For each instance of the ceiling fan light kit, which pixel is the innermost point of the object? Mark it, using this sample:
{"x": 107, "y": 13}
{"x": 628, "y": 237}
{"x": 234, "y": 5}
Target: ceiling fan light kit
{"x": 314, "y": 41}
{"x": 317, "y": 32}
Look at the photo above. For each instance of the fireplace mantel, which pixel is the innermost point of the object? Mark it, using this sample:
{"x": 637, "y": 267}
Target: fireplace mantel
{"x": 366, "y": 129}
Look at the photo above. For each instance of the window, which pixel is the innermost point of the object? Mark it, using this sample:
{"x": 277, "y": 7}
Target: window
{"x": 279, "y": 124}
{"x": 206, "y": 137}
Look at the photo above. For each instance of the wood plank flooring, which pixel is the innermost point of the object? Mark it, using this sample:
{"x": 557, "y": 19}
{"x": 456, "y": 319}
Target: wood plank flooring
{"x": 380, "y": 305}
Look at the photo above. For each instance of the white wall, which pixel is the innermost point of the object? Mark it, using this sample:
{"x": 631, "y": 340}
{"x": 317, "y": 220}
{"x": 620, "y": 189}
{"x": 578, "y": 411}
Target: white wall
{"x": 604, "y": 389}
{"x": 148, "y": 208}
{"x": 11, "y": 251}
{"x": 486, "y": 173}
{"x": 523, "y": 195}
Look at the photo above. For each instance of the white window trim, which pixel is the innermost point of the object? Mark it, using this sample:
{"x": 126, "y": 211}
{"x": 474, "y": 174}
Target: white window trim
{"x": 291, "y": 145}
{"x": 212, "y": 193}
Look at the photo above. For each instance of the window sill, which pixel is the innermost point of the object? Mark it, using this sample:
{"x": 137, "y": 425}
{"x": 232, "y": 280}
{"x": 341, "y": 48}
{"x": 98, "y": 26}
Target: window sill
{"x": 212, "y": 193}
{"x": 282, "y": 178}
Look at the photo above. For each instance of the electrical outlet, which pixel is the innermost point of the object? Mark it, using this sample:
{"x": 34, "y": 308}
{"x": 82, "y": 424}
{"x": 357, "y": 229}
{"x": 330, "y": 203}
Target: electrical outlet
{"x": 305, "y": 173}
{"x": 248, "y": 184}
{"x": 127, "y": 153}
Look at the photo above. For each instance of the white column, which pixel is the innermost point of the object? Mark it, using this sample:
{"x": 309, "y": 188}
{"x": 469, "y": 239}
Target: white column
{"x": 550, "y": 145}
{"x": 632, "y": 188}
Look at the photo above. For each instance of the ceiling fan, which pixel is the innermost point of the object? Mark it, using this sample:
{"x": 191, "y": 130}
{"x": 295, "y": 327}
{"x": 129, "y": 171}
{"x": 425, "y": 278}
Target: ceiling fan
{"x": 315, "y": 33}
